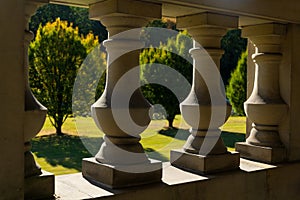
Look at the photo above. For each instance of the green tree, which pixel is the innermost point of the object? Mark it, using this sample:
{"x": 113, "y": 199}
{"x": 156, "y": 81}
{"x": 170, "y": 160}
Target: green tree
{"x": 49, "y": 13}
{"x": 237, "y": 88}
{"x": 90, "y": 79}
{"x": 158, "y": 94}
{"x": 78, "y": 16}
{"x": 86, "y": 25}
{"x": 54, "y": 58}
{"x": 154, "y": 36}
{"x": 233, "y": 45}
{"x": 163, "y": 23}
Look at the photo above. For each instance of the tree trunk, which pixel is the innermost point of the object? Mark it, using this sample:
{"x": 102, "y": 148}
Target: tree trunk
{"x": 170, "y": 121}
{"x": 58, "y": 128}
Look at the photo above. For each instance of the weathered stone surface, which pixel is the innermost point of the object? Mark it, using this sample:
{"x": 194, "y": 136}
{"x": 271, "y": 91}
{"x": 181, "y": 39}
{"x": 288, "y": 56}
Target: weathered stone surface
{"x": 122, "y": 112}
{"x": 205, "y": 164}
{"x": 260, "y": 153}
{"x": 206, "y": 109}
{"x": 39, "y": 187}
{"x": 119, "y": 176}
{"x": 282, "y": 182}
{"x": 254, "y": 180}
{"x": 265, "y": 106}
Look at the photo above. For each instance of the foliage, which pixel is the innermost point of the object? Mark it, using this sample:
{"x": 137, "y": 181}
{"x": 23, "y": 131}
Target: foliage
{"x": 90, "y": 80}
{"x": 86, "y": 25}
{"x": 237, "y": 88}
{"x": 94, "y": 67}
{"x": 163, "y": 23}
{"x": 158, "y": 94}
{"x": 233, "y": 45}
{"x": 78, "y": 16}
{"x": 54, "y": 57}
{"x": 49, "y": 13}
{"x": 154, "y": 36}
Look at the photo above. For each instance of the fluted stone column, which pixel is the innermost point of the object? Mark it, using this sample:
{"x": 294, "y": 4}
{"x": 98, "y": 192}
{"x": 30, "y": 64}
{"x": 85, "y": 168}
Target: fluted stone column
{"x": 38, "y": 183}
{"x": 206, "y": 107}
{"x": 265, "y": 107}
{"x": 121, "y": 160}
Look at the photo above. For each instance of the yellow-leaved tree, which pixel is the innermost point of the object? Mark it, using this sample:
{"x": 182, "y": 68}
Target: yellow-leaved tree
{"x": 55, "y": 55}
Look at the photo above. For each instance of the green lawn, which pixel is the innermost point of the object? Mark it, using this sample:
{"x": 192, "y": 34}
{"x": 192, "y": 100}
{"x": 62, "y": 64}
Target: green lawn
{"x": 63, "y": 154}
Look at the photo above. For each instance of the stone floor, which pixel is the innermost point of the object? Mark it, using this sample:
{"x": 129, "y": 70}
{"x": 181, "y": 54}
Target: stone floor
{"x": 176, "y": 184}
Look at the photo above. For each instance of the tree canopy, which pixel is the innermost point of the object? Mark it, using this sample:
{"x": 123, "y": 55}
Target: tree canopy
{"x": 55, "y": 55}
{"x": 237, "y": 87}
{"x": 233, "y": 45}
{"x": 159, "y": 94}
{"x": 78, "y": 16}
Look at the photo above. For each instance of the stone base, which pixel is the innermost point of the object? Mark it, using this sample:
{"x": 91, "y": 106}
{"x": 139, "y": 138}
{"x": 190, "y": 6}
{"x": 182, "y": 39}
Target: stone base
{"x": 205, "y": 164}
{"x": 263, "y": 154}
{"x": 39, "y": 187}
{"x": 111, "y": 176}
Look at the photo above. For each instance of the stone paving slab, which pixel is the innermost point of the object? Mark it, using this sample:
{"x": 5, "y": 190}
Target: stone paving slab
{"x": 75, "y": 187}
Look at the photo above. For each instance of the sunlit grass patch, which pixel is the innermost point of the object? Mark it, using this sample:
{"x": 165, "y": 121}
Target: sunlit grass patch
{"x": 63, "y": 154}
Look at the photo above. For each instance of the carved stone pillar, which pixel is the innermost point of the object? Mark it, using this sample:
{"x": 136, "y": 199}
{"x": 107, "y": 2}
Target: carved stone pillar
{"x": 121, "y": 160}
{"x": 265, "y": 107}
{"x": 206, "y": 107}
{"x": 38, "y": 184}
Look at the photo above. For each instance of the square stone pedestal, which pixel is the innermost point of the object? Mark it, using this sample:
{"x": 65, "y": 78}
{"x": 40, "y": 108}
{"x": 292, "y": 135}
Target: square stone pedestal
{"x": 204, "y": 164}
{"x": 39, "y": 187}
{"x": 263, "y": 154}
{"x": 111, "y": 176}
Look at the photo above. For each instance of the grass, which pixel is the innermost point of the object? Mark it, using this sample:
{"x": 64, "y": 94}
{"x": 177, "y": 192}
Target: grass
{"x": 63, "y": 154}
{"x": 59, "y": 154}
{"x": 68, "y": 127}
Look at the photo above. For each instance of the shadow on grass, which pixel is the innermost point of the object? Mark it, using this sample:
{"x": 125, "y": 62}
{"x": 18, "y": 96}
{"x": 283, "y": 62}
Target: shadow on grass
{"x": 180, "y": 134}
{"x": 229, "y": 138}
{"x": 65, "y": 150}
{"x": 68, "y": 150}
{"x": 155, "y": 155}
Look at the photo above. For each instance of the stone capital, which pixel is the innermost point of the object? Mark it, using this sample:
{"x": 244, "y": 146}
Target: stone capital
{"x": 122, "y": 15}
{"x": 266, "y": 37}
{"x": 275, "y": 29}
{"x": 207, "y": 28}
{"x": 125, "y": 8}
{"x": 208, "y": 19}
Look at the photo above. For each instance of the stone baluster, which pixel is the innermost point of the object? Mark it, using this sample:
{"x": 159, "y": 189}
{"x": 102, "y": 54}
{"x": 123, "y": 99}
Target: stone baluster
{"x": 206, "y": 108}
{"x": 265, "y": 107}
{"x": 35, "y": 115}
{"x": 121, "y": 160}
{"x": 38, "y": 184}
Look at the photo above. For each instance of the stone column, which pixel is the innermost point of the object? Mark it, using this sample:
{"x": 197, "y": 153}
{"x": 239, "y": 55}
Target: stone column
{"x": 206, "y": 107}
{"x": 38, "y": 184}
{"x": 265, "y": 107}
{"x": 122, "y": 112}
{"x": 12, "y": 99}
